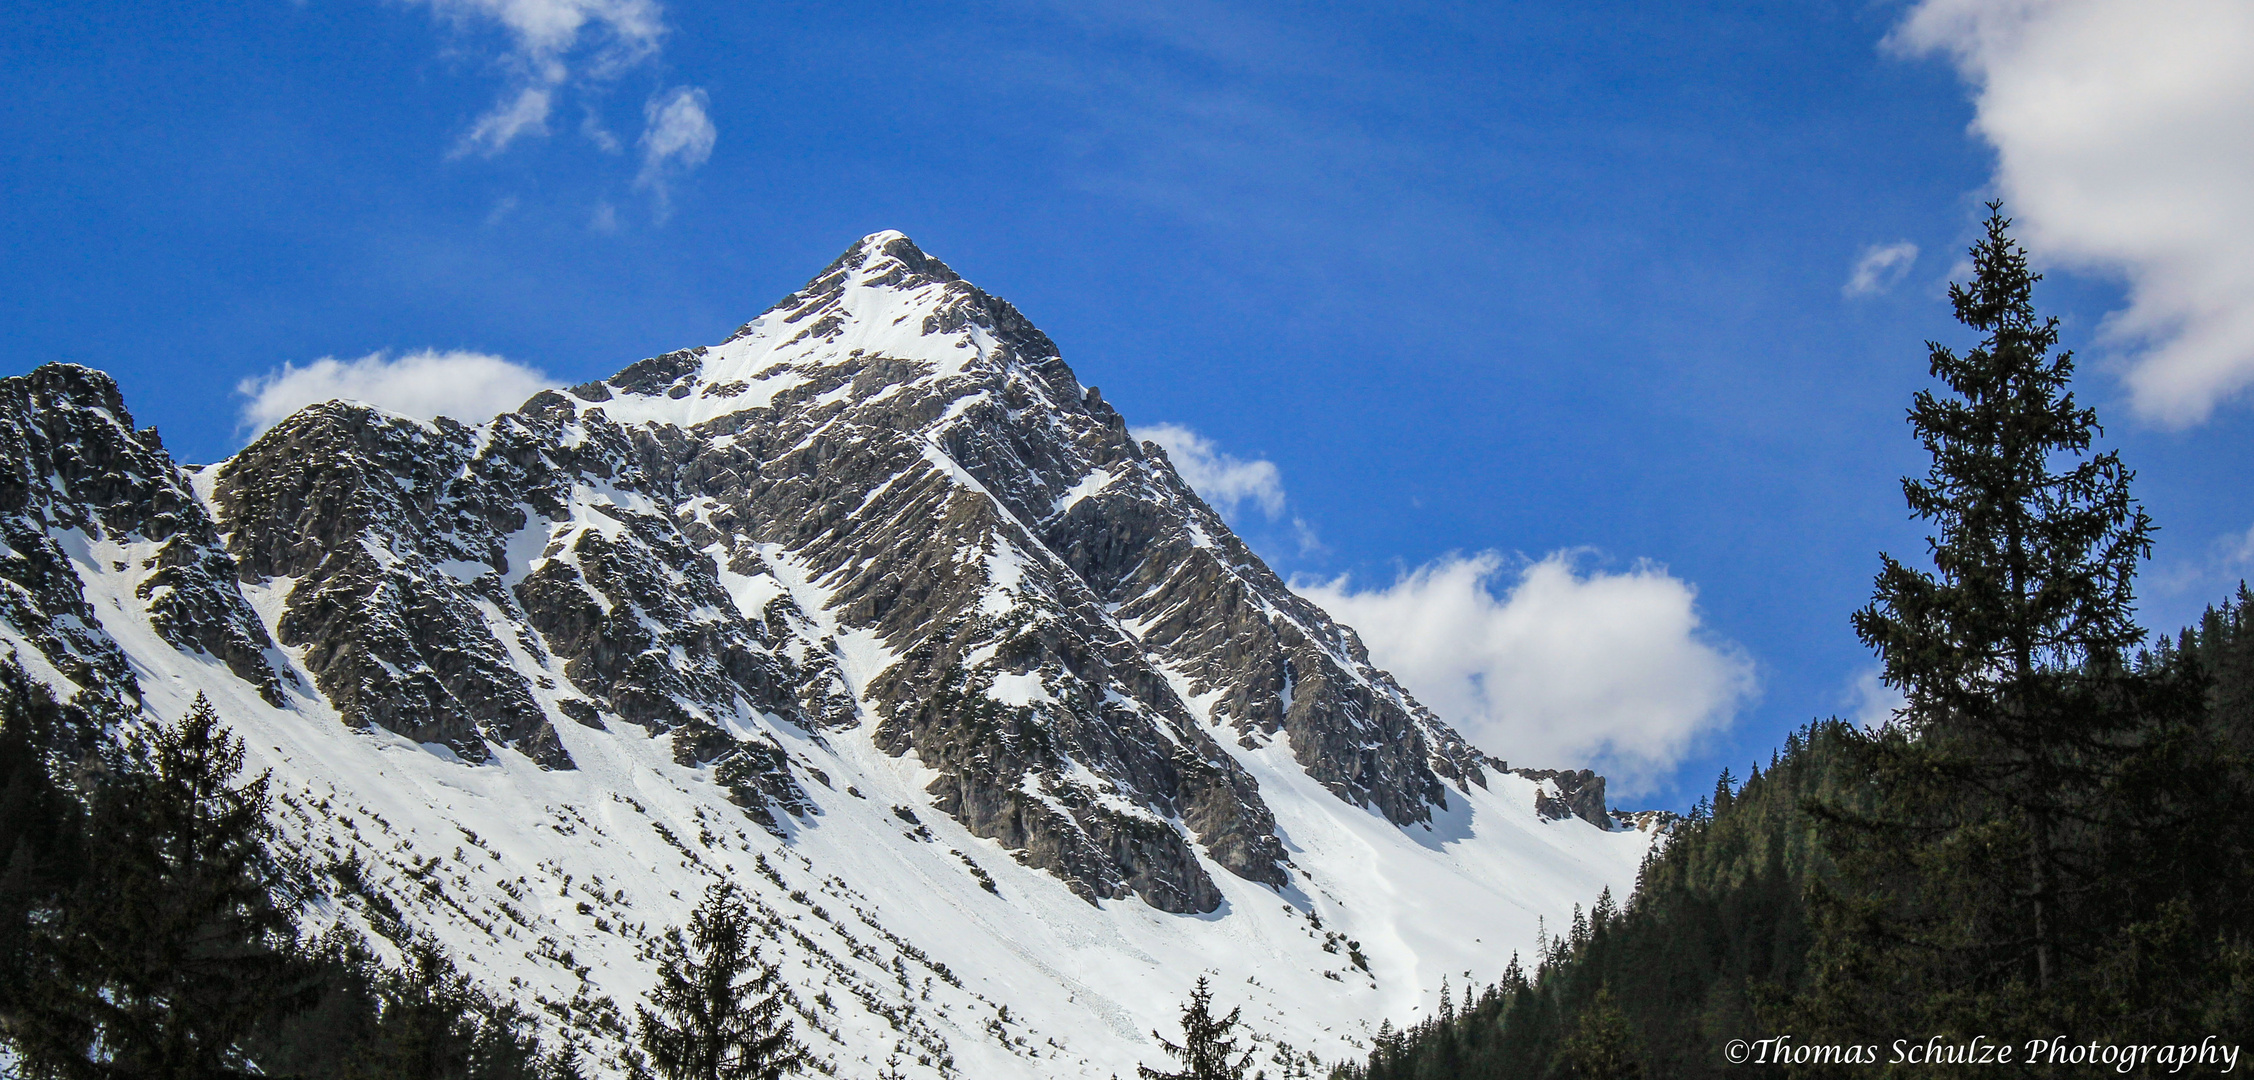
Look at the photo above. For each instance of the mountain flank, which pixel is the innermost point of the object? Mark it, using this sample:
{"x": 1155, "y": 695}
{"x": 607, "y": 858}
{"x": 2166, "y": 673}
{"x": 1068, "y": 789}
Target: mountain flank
{"x": 877, "y": 560}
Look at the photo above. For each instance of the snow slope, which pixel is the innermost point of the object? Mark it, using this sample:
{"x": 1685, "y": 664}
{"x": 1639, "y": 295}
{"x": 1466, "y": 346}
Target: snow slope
{"x": 829, "y": 537}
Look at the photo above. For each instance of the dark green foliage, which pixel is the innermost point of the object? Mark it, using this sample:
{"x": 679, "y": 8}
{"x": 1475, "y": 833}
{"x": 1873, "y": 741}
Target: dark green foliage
{"x": 146, "y": 931}
{"x": 1716, "y": 933}
{"x": 422, "y": 1020}
{"x": 2010, "y": 654}
{"x": 2043, "y": 796}
{"x": 719, "y": 1007}
{"x": 170, "y": 946}
{"x": 1207, "y": 1048}
{"x": 2051, "y": 839}
{"x": 42, "y": 855}
{"x": 1601, "y": 1046}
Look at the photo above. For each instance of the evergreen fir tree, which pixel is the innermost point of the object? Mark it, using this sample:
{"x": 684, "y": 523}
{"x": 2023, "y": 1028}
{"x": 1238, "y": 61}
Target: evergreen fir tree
{"x": 711, "y": 1021}
{"x": 434, "y": 1023}
{"x": 1207, "y": 1047}
{"x": 173, "y": 953}
{"x": 42, "y": 858}
{"x": 1994, "y": 867}
{"x": 2034, "y": 564}
{"x": 1602, "y": 1047}
{"x": 175, "y": 948}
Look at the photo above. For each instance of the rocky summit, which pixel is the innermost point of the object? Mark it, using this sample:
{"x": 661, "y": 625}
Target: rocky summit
{"x": 1023, "y": 734}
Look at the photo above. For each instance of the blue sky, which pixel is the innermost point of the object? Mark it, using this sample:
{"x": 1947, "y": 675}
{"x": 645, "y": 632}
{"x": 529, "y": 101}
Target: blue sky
{"x": 1502, "y": 278}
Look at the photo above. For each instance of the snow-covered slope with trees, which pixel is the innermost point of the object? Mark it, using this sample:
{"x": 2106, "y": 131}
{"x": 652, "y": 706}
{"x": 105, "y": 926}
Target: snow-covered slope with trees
{"x": 872, "y": 609}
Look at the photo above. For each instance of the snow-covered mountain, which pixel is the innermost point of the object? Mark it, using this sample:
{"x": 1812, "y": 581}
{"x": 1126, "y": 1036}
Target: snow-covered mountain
{"x": 872, "y": 608}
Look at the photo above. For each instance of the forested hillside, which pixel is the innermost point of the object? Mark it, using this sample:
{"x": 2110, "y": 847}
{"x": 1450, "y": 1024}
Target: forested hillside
{"x": 1730, "y": 922}
{"x": 2050, "y": 841}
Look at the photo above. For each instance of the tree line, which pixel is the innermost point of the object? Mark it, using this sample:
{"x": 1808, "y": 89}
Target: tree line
{"x": 149, "y": 929}
{"x": 2049, "y": 840}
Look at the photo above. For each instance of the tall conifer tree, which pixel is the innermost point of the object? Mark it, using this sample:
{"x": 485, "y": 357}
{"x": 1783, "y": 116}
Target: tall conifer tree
{"x": 2031, "y": 594}
{"x": 1207, "y": 1051}
{"x": 42, "y": 858}
{"x": 175, "y": 947}
{"x": 1975, "y": 885}
{"x": 719, "y": 1007}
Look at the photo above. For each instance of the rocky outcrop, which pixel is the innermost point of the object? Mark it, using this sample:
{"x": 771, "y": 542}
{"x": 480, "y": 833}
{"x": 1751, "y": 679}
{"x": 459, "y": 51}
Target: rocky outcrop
{"x": 905, "y": 482}
{"x": 441, "y": 577}
{"x": 370, "y": 523}
{"x": 884, "y": 506}
{"x": 80, "y": 485}
{"x": 1661, "y": 822}
{"x": 756, "y": 772}
{"x": 1565, "y": 793}
{"x": 1045, "y": 585}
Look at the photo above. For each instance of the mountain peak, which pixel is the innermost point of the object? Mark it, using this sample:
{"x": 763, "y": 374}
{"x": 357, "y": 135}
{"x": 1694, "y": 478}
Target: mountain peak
{"x": 879, "y": 255}
{"x": 883, "y": 306}
{"x": 872, "y": 609}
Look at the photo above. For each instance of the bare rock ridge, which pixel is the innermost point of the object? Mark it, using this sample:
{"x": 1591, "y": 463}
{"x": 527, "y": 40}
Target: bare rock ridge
{"x": 885, "y": 509}
{"x": 79, "y": 474}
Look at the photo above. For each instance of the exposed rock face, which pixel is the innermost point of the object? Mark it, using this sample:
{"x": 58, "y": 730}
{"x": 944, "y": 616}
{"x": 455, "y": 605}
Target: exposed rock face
{"x": 755, "y": 772}
{"x": 900, "y": 436}
{"x": 1660, "y": 822}
{"x": 369, "y": 521}
{"x": 78, "y": 483}
{"x": 1570, "y": 793}
{"x": 1045, "y": 587}
{"x": 886, "y": 504}
{"x": 441, "y": 576}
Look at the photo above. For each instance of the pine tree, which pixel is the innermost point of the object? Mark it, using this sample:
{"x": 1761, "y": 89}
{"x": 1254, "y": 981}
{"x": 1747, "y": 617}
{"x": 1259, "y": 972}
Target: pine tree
{"x": 174, "y": 947}
{"x": 1601, "y": 1046}
{"x": 2034, "y": 565}
{"x": 1984, "y": 883}
{"x": 42, "y": 858}
{"x": 144, "y": 928}
{"x": 711, "y": 1023}
{"x": 1207, "y": 1047}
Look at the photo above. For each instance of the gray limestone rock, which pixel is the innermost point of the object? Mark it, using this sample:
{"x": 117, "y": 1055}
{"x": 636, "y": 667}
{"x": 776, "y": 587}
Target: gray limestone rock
{"x": 76, "y": 475}
{"x": 1568, "y": 793}
{"x": 886, "y": 507}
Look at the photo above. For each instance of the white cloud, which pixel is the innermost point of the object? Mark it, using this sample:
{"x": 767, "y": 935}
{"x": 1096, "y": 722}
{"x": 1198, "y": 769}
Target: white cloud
{"x": 1219, "y": 479}
{"x": 1871, "y": 703}
{"x": 2227, "y": 560}
{"x": 2237, "y": 548}
{"x": 464, "y": 385}
{"x": 591, "y": 125}
{"x": 1565, "y": 668}
{"x": 2124, "y": 134}
{"x": 1879, "y": 267}
{"x": 549, "y": 42}
{"x": 500, "y": 127}
{"x": 678, "y": 137}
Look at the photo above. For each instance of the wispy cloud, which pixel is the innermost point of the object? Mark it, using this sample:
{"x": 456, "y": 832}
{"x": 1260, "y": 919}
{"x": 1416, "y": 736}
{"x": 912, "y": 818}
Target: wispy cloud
{"x": 552, "y": 46}
{"x": 1870, "y": 702}
{"x": 1879, "y": 267}
{"x": 1228, "y": 483}
{"x": 2124, "y": 137}
{"x": 548, "y": 41}
{"x": 678, "y": 136}
{"x": 527, "y": 114}
{"x": 465, "y": 385}
{"x": 1550, "y": 663}
{"x": 2205, "y": 576}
